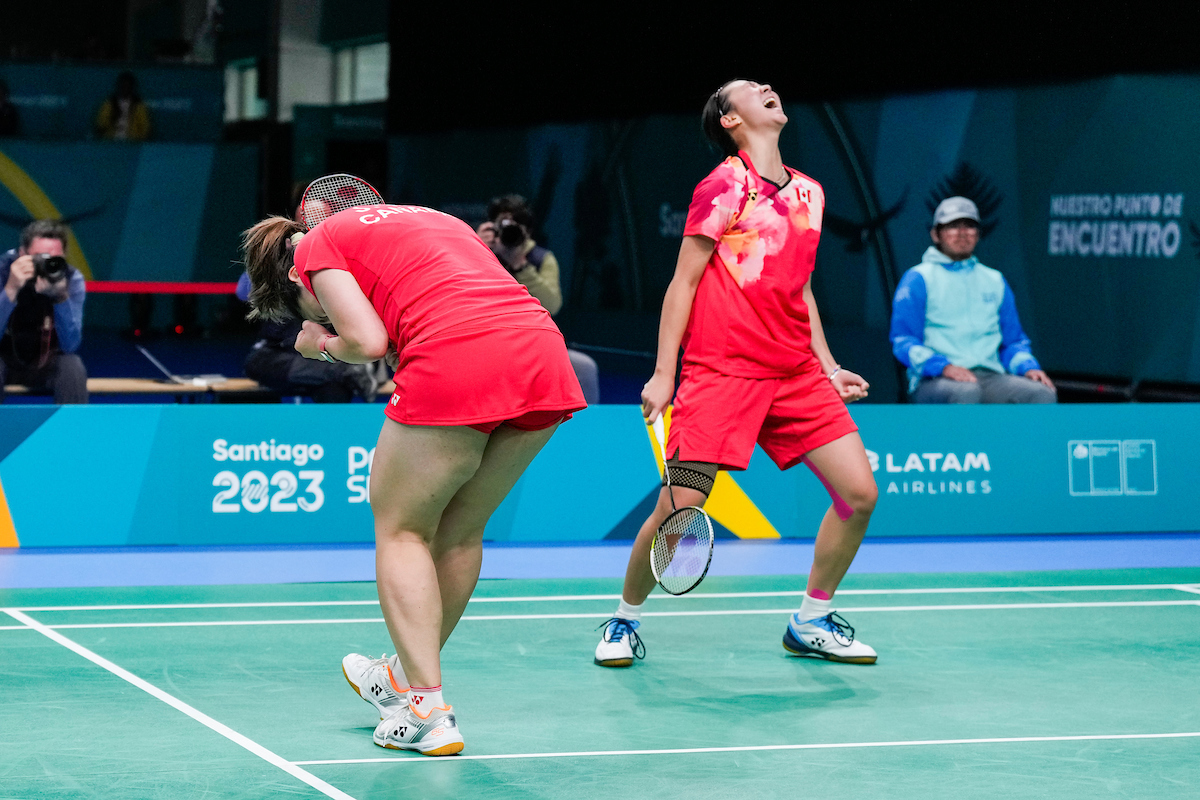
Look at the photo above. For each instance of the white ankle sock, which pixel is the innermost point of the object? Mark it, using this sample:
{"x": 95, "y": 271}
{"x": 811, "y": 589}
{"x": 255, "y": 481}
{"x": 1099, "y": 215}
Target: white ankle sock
{"x": 812, "y": 608}
{"x": 627, "y": 611}
{"x": 424, "y": 700}
{"x": 398, "y": 673}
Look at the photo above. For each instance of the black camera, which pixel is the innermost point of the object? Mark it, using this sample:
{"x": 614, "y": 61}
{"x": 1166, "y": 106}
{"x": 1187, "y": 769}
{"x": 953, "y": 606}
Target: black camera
{"x": 52, "y": 268}
{"x": 510, "y": 232}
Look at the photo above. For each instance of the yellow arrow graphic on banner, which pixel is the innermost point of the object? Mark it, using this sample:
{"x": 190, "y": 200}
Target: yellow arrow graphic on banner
{"x": 728, "y": 504}
{"x": 8, "y": 531}
{"x": 39, "y": 206}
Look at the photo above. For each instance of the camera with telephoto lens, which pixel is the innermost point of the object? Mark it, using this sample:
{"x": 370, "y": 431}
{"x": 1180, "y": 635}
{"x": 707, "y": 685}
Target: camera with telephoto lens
{"x": 510, "y": 232}
{"x": 52, "y": 268}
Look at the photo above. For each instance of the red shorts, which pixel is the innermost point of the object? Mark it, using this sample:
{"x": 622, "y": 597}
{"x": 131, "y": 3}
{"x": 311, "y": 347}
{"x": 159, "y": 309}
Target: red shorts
{"x": 484, "y": 377}
{"x": 717, "y": 418}
{"x": 533, "y": 421}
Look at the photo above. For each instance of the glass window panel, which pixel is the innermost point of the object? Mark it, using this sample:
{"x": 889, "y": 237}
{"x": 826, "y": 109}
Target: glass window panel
{"x": 371, "y": 73}
{"x": 344, "y": 76}
{"x": 253, "y": 106}
{"x": 233, "y": 105}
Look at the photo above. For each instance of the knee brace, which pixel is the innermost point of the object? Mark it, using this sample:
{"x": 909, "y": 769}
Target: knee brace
{"x": 698, "y": 475}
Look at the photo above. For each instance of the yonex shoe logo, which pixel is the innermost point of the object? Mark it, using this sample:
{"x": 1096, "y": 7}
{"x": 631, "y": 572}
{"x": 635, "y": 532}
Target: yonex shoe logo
{"x": 401, "y": 731}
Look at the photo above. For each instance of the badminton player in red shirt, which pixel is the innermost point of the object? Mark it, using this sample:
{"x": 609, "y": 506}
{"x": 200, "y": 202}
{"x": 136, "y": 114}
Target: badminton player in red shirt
{"x": 756, "y": 367}
{"x": 482, "y": 381}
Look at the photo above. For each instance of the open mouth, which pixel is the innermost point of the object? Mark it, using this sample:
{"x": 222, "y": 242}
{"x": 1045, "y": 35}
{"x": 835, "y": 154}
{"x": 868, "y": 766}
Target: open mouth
{"x": 771, "y": 102}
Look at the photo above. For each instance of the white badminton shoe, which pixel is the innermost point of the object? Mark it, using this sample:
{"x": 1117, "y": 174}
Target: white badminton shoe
{"x": 434, "y": 735}
{"x": 829, "y": 637}
{"x": 372, "y": 679}
{"x": 619, "y": 643}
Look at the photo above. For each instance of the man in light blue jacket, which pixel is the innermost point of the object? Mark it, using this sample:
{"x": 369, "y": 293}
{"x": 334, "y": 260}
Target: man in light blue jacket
{"x": 955, "y": 324}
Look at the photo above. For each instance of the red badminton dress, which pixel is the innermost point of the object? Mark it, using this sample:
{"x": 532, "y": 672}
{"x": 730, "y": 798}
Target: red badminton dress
{"x": 475, "y": 348}
{"x": 749, "y": 373}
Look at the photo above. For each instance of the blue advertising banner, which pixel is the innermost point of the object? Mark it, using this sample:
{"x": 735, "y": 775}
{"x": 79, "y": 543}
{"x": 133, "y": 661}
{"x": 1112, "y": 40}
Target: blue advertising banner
{"x": 60, "y": 101}
{"x": 192, "y": 475}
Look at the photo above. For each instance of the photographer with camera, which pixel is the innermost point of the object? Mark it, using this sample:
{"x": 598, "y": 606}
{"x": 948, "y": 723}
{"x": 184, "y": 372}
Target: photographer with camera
{"x": 507, "y": 233}
{"x": 41, "y": 315}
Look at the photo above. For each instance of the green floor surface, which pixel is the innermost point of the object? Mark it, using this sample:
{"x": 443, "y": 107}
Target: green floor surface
{"x": 527, "y": 686}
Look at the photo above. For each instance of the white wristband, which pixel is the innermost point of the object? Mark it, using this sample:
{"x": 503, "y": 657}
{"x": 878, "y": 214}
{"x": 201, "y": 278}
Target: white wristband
{"x": 836, "y": 370}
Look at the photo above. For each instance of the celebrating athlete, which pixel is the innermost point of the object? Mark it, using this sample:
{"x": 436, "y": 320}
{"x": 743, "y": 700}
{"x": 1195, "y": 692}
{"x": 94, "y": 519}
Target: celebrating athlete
{"x": 756, "y": 367}
{"x": 483, "y": 380}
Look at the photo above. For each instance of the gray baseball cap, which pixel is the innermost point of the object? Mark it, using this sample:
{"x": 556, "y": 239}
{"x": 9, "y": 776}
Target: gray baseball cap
{"x": 953, "y": 208}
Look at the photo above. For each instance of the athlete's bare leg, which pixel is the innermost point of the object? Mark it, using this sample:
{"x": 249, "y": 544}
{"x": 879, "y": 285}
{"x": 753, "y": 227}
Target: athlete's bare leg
{"x": 844, "y": 464}
{"x": 457, "y": 549}
{"x": 639, "y": 579}
{"x": 417, "y": 471}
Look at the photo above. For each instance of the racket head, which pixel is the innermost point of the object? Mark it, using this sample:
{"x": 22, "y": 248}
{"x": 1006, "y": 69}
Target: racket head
{"x": 682, "y": 550}
{"x": 330, "y": 194}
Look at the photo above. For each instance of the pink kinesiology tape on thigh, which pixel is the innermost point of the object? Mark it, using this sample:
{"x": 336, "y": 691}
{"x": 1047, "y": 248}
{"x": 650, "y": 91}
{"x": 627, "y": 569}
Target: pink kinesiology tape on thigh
{"x": 840, "y": 506}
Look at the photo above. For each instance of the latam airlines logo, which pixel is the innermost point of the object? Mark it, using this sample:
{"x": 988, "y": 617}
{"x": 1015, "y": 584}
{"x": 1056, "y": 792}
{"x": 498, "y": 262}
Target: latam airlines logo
{"x": 938, "y": 473}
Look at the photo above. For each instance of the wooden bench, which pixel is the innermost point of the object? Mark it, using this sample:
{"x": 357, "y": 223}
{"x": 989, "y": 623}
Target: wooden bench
{"x": 233, "y": 390}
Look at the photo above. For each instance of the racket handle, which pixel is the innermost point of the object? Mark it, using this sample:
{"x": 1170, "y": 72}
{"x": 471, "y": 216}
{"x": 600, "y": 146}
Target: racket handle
{"x": 660, "y": 435}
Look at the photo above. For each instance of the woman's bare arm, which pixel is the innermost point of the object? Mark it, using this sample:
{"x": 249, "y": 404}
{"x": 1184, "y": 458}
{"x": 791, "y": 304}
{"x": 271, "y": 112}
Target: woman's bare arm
{"x": 694, "y": 253}
{"x": 361, "y": 336}
{"x": 849, "y": 385}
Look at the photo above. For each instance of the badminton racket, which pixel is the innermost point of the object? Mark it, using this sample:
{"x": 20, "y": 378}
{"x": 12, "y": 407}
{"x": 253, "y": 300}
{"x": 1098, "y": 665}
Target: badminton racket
{"x": 326, "y": 196}
{"x": 683, "y": 545}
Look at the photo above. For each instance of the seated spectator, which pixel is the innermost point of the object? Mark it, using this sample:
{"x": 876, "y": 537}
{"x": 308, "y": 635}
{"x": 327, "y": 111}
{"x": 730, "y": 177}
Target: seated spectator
{"x": 41, "y": 315}
{"x": 955, "y": 324}
{"x": 10, "y": 120}
{"x": 123, "y": 115}
{"x": 507, "y": 233}
{"x": 274, "y": 363}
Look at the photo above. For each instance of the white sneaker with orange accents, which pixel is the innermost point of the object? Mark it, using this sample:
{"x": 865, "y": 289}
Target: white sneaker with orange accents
{"x": 436, "y": 734}
{"x": 372, "y": 679}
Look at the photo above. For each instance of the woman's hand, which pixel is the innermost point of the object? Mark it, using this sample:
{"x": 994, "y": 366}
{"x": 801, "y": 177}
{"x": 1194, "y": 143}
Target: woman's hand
{"x": 656, "y": 395}
{"x": 392, "y": 359}
{"x": 849, "y": 386}
{"x": 309, "y": 336}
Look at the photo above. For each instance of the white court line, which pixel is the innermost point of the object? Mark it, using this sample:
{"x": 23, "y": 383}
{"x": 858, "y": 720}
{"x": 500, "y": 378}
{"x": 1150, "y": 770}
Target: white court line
{"x": 601, "y": 616}
{"x": 1117, "y": 587}
{"x": 230, "y": 734}
{"x": 759, "y": 748}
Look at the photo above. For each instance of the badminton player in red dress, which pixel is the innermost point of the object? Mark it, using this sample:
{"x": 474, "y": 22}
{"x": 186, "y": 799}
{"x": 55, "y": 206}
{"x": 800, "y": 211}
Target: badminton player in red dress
{"x": 482, "y": 381}
{"x": 756, "y": 367}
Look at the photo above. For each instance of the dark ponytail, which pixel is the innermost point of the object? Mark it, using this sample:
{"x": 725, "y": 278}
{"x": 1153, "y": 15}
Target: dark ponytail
{"x": 710, "y": 121}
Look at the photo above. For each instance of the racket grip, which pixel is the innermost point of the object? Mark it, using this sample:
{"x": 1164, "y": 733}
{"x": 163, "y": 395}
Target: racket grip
{"x": 660, "y": 435}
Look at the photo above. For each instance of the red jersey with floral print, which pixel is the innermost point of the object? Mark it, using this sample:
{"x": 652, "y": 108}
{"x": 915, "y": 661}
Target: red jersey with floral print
{"x": 749, "y": 318}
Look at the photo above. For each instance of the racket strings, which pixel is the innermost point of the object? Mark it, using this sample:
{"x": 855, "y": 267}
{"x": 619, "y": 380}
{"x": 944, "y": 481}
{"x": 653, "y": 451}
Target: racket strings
{"x": 334, "y": 193}
{"x": 681, "y": 550}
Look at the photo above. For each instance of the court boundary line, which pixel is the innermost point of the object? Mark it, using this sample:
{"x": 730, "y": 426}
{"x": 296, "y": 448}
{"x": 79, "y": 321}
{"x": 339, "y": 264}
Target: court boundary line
{"x": 1116, "y": 587}
{"x": 602, "y": 615}
{"x": 760, "y": 748}
{"x": 239, "y": 739}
